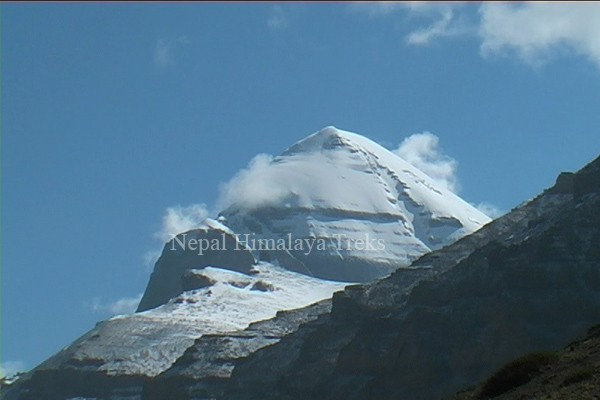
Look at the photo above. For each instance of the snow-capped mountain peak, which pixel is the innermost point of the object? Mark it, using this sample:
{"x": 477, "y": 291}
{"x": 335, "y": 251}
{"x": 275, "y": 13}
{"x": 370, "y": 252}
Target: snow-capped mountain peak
{"x": 333, "y": 208}
{"x": 335, "y": 184}
{"x": 332, "y": 157}
{"x": 325, "y": 139}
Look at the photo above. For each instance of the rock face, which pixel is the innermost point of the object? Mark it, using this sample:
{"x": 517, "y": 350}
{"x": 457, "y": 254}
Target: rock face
{"x": 528, "y": 281}
{"x": 564, "y": 184}
{"x": 586, "y": 181}
{"x": 181, "y": 254}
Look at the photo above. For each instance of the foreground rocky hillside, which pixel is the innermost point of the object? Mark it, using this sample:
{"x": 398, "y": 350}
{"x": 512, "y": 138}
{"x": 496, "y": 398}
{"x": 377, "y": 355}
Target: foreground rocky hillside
{"x": 529, "y": 281}
{"x": 572, "y": 373}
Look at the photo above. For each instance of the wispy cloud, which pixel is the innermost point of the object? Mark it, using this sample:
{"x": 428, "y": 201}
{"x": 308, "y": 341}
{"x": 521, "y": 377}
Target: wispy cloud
{"x": 175, "y": 220}
{"x": 150, "y": 258}
{"x": 165, "y": 49}
{"x": 278, "y": 18}
{"x": 125, "y": 305}
{"x": 162, "y": 53}
{"x": 442, "y": 26}
{"x": 251, "y": 186}
{"x": 9, "y": 368}
{"x": 424, "y": 152}
{"x": 489, "y": 209}
{"x": 179, "y": 219}
{"x": 534, "y": 32}
{"x": 440, "y": 18}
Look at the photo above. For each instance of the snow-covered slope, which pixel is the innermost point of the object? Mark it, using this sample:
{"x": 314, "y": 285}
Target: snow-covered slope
{"x": 344, "y": 189}
{"x": 148, "y": 342}
{"x": 232, "y": 299}
{"x": 334, "y": 208}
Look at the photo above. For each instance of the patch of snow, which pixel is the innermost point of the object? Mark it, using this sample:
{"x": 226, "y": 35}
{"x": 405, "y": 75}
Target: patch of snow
{"x": 231, "y": 304}
{"x": 156, "y": 338}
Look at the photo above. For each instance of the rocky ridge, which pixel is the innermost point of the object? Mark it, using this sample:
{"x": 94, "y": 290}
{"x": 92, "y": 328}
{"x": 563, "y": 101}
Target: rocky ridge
{"x": 191, "y": 326}
{"x": 528, "y": 281}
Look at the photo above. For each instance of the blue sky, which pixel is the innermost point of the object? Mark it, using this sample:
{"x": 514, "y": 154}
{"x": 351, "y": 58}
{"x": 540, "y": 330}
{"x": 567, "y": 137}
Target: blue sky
{"x": 113, "y": 115}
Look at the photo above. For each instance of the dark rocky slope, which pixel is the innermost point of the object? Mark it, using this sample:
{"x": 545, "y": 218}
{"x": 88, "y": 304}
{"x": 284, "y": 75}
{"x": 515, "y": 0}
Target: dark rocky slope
{"x": 204, "y": 369}
{"x": 572, "y": 373}
{"x": 528, "y": 281}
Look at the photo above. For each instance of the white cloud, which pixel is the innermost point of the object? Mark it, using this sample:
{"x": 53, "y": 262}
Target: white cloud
{"x": 278, "y": 18}
{"x": 441, "y": 17}
{"x": 175, "y": 220}
{"x": 9, "y": 368}
{"x": 423, "y": 151}
{"x": 249, "y": 187}
{"x": 180, "y": 219}
{"x": 489, "y": 209}
{"x": 125, "y": 305}
{"x": 439, "y": 28}
{"x": 162, "y": 54}
{"x": 536, "y": 31}
{"x": 150, "y": 258}
{"x": 164, "y": 50}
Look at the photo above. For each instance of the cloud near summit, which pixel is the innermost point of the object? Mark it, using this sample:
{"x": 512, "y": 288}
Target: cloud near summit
{"x": 423, "y": 151}
{"x": 258, "y": 184}
{"x": 250, "y": 187}
{"x": 179, "y": 219}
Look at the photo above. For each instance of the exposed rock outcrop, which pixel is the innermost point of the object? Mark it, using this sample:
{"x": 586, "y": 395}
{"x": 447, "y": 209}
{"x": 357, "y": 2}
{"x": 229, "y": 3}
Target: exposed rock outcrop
{"x": 565, "y": 183}
{"x": 527, "y": 281}
{"x": 170, "y": 277}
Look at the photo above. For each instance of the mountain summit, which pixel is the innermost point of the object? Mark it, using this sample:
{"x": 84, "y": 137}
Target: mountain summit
{"x": 344, "y": 188}
{"x": 333, "y": 208}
